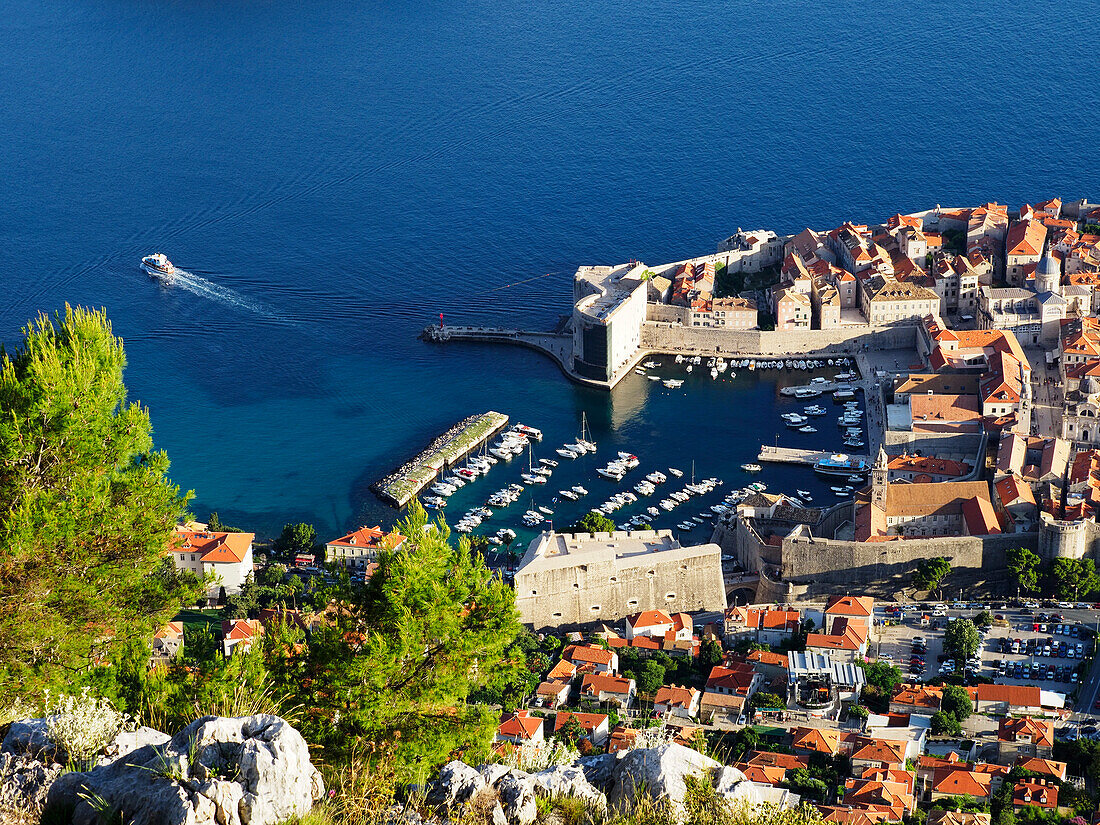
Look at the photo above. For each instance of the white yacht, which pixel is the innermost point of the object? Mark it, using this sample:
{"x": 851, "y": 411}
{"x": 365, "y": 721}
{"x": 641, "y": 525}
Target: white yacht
{"x": 159, "y": 267}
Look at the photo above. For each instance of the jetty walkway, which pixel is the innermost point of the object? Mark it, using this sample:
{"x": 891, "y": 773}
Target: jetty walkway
{"x": 557, "y": 345}
{"x": 790, "y": 455}
{"x": 404, "y": 483}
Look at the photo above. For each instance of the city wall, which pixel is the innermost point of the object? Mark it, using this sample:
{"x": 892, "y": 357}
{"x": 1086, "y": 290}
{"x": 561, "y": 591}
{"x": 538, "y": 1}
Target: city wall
{"x": 806, "y": 568}
{"x": 670, "y": 337}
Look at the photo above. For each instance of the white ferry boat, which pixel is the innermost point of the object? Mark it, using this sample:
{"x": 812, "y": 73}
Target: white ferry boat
{"x": 159, "y": 267}
{"x": 840, "y": 464}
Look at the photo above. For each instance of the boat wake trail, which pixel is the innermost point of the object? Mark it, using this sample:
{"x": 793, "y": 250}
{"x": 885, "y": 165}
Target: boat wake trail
{"x": 208, "y": 289}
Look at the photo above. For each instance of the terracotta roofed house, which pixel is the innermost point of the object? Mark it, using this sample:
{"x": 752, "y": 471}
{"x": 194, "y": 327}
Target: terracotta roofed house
{"x": 671, "y": 700}
{"x": 595, "y": 725}
{"x": 1003, "y": 699}
{"x": 520, "y": 728}
{"x": 358, "y": 549}
{"x": 593, "y": 658}
{"x": 228, "y": 556}
{"x": 1035, "y": 793}
{"x": 237, "y": 634}
{"x": 608, "y": 689}
{"x": 1025, "y": 736}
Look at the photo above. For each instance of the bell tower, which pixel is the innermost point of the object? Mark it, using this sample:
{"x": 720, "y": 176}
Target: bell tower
{"x": 879, "y": 477}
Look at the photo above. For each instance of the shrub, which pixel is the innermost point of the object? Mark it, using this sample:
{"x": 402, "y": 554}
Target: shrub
{"x": 82, "y": 725}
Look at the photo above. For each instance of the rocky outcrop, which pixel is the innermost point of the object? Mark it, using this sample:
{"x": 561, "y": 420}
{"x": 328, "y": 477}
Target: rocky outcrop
{"x": 129, "y": 741}
{"x": 569, "y": 780}
{"x": 24, "y": 783}
{"x": 252, "y": 770}
{"x": 608, "y": 781}
{"x": 29, "y": 737}
{"x": 662, "y": 773}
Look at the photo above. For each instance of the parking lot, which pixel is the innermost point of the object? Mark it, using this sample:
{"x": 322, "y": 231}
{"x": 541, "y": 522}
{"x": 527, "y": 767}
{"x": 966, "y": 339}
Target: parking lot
{"x": 1053, "y": 659}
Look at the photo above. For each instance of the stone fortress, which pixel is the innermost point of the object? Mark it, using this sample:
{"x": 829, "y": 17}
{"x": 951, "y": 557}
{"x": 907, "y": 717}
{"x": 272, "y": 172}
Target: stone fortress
{"x": 569, "y": 579}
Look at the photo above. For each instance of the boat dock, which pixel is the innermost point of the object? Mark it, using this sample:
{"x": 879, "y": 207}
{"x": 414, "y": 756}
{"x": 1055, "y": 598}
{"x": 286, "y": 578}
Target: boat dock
{"x": 406, "y": 482}
{"x": 807, "y": 458}
{"x": 821, "y": 387}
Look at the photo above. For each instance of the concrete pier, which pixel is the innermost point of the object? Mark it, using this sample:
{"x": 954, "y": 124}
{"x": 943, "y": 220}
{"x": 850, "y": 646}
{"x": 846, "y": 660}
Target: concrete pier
{"x": 406, "y": 482}
{"x": 790, "y": 455}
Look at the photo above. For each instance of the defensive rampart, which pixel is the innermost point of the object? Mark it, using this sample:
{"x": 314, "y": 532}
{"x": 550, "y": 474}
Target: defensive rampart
{"x": 671, "y": 337}
{"x": 806, "y": 567}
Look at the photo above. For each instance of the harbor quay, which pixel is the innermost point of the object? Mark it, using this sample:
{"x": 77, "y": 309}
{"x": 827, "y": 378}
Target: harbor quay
{"x": 405, "y": 483}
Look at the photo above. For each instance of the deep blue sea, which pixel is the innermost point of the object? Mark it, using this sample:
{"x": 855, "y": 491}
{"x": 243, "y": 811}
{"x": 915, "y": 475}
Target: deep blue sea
{"x": 334, "y": 174}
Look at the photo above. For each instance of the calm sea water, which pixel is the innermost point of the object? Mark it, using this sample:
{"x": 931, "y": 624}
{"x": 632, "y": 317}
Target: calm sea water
{"x": 335, "y": 174}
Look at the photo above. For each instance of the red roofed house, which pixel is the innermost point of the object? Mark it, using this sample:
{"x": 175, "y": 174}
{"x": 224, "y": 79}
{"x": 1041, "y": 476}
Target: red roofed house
{"x": 553, "y": 694}
{"x": 721, "y": 709}
{"x": 960, "y": 781}
{"x": 882, "y": 788}
{"x": 226, "y": 555}
{"x": 776, "y": 626}
{"x": 1025, "y": 736}
{"x": 609, "y": 689}
{"x": 1044, "y": 767}
{"x": 592, "y": 659}
{"x": 357, "y": 550}
{"x": 1035, "y": 793}
{"x": 1018, "y": 501}
{"x": 239, "y": 633}
{"x": 857, "y": 610}
{"x": 671, "y": 700}
{"x": 1023, "y": 246}
{"x": 520, "y": 728}
{"x": 925, "y": 468}
{"x": 658, "y": 624}
{"x": 868, "y": 752}
{"x": 595, "y": 725}
{"x": 815, "y": 740}
{"x": 844, "y": 815}
{"x": 916, "y": 699}
{"x": 1005, "y": 699}
{"x": 734, "y": 678}
{"x": 168, "y": 641}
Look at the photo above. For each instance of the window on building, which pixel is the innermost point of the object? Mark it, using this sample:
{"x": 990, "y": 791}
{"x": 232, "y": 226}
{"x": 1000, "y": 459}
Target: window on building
{"x": 595, "y": 608}
{"x": 670, "y": 597}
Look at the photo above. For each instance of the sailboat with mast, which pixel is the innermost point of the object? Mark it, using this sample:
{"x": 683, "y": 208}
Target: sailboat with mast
{"x": 533, "y": 475}
{"x": 582, "y": 445}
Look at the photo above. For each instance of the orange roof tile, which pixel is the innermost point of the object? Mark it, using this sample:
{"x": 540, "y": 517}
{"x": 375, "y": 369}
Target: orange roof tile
{"x": 216, "y": 548}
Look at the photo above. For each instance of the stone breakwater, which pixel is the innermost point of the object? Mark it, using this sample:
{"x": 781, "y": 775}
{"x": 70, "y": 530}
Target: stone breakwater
{"x": 404, "y": 483}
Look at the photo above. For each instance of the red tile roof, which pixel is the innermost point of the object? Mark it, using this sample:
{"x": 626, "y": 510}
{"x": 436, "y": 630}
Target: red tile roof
{"x": 595, "y": 683}
{"x": 588, "y": 721}
{"x": 370, "y": 537}
{"x": 521, "y": 725}
{"x": 216, "y": 548}
{"x": 1023, "y": 696}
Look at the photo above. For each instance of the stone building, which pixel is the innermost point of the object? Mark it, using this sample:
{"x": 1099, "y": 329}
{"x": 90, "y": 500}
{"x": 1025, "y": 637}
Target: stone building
{"x": 609, "y": 308}
{"x": 567, "y": 579}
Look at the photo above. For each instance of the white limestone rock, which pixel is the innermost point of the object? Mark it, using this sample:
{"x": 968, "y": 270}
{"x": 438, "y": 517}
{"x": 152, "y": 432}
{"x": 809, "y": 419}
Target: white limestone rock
{"x": 456, "y": 784}
{"x": 252, "y": 770}
{"x": 24, "y": 785}
{"x": 129, "y": 741}
{"x": 515, "y": 790}
{"x": 568, "y": 780}
{"x": 659, "y": 772}
{"x": 29, "y": 737}
{"x": 733, "y": 786}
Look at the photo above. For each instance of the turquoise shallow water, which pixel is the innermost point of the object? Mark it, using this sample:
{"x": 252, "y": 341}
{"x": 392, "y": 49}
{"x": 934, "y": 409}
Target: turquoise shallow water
{"x": 335, "y": 174}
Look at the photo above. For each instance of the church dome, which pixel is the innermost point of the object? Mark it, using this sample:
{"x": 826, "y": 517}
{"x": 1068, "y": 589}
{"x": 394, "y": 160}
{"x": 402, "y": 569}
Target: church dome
{"x": 1048, "y": 267}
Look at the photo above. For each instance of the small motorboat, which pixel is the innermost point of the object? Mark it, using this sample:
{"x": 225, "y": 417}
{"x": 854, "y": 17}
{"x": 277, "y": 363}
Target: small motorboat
{"x": 751, "y": 468}
{"x": 158, "y": 266}
{"x": 807, "y": 429}
{"x": 675, "y": 473}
